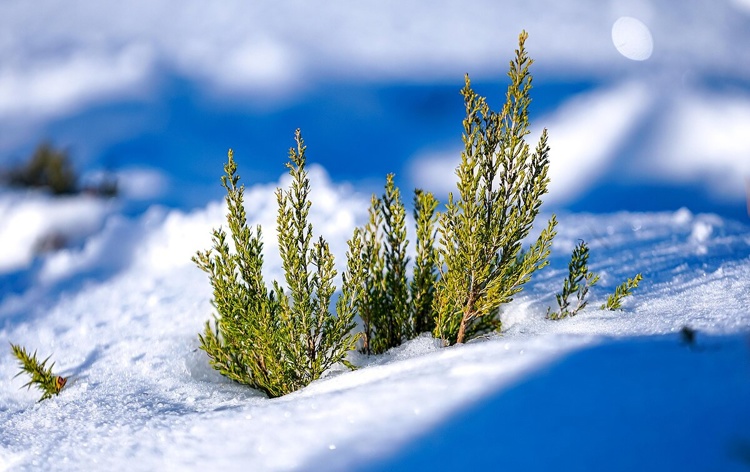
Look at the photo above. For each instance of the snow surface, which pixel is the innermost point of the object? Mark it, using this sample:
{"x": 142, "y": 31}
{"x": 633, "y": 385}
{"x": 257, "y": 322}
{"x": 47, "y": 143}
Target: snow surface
{"x": 120, "y": 314}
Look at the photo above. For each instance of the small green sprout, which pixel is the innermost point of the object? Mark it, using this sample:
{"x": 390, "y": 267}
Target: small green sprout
{"x": 614, "y": 301}
{"x": 41, "y": 375}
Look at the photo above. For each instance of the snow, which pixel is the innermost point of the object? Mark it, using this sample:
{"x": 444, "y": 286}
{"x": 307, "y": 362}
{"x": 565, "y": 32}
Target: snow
{"x": 591, "y": 137}
{"x": 614, "y": 390}
{"x": 718, "y": 153}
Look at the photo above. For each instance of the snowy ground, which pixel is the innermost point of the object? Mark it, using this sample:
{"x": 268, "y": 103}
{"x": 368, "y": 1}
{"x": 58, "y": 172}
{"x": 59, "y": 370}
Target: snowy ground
{"x": 602, "y": 391}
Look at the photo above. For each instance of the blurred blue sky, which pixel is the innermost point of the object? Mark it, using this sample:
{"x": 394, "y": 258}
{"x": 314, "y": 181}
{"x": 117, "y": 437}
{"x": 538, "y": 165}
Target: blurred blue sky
{"x": 652, "y": 114}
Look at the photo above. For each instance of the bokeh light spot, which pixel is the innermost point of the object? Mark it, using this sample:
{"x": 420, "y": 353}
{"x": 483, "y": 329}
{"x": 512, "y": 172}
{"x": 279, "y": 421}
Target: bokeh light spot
{"x": 632, "y": 38}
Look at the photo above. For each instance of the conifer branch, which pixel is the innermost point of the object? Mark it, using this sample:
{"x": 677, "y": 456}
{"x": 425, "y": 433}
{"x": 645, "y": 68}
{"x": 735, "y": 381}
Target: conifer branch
{"x": 614, "y": 301}
{"x": 41, "y": 375}
{"x": 370, "y": 303}
{"x": 376, "y": 287}
{"x": 316, "y": 338}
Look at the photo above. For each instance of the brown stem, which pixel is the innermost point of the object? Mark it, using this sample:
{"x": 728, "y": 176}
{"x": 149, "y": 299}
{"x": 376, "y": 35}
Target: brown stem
{"x": 469, "y": 313}
{"x": 366, "y": 342}
{"x": 461, "y": 331}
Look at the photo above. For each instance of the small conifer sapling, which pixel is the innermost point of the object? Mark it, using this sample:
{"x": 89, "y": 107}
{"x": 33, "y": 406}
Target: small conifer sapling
{"x": 365, "y": 279}
{"x": 316, "y": 339}
{"x": 380, "y": 253}
{"x": 41, "y": 375}
{"x": 242, "y": 343}
{"x": 393, "y": 326}
{"x": 579, "y": 281}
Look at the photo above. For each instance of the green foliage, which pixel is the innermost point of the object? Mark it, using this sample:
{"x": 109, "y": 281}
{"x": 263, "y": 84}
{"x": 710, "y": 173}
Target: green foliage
{"x": 317, "y": 339}
{"x": 384, "y": 304}
{"x": 391, "y": 307}
{"x": 614, "y": 301}
{"x": 356, "y": 297}
{"x": 41, "y": 375}
{"x": 365, "y": 267}
{"x": 425, "y": 277}
{"x": 393, "y": 325}
{"x": 500, "y": 185}
{"x": 470, "y": 259}
{"x": 579, "y": 281}
{"x": 246, "y": 327}
{"x": 273, "y": 341}
{"x": 48, "y": 167}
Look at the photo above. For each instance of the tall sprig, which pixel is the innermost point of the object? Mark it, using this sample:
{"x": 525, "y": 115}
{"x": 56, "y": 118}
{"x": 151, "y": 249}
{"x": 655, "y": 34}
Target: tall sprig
{"x": 500, "y": 185}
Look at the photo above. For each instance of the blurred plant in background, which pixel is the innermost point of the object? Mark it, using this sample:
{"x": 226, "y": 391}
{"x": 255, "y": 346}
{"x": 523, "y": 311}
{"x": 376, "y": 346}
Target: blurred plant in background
{"x": 47, "y": 167}
{"x": 50, "y": 168}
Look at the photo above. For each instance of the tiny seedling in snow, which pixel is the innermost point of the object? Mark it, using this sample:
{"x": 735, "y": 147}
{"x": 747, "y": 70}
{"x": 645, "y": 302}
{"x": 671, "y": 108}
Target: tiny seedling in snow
{"x": 579, "y": 281}
{"x": 614, "y": 301}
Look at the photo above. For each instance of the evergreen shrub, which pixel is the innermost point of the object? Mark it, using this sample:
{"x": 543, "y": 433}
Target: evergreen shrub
{"x": 276, "y": 340}
{"x": 501, "y": 182}
{"x": 614, "y": 301}
{"x": 47, "y": 167}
